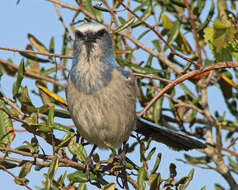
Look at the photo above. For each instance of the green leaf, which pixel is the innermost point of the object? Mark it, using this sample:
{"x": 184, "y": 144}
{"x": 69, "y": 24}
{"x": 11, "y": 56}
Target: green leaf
{"x": 181, "y": 181}
{"x": 209, "y": 16}
{"x": 187, "y": 91}
{"x": 157, "y": 107}
{"x": 174, "y": 32}
{"x": 89, "y": 7}
{"x": 78, "y": 150}
{"x": 61, "y": 178}
{"x": 145, "y": 14}
{"x": 155, "y": 180}
{"x": 81, "y": 177}
{"x": 109, "y": 186}
{"x": 144, "y": 70}
{"x": 190, "y": 177}
{"x": 233, "y": 164}
{"x": 34, "y": 58}
{"x": 156, "y": 165}
{"x": 53, "y": 168}
{"x": 51, "y": 116}
{"x": 52, "y": 45}
{"x": 8, "y": 69}
{"x": 7, "y": 164}
{"x": 197, "y": 160}
{"x": 20, "y": 77}
{"x": 142, "y": 176}
{"x": 26, "y": 105}
{"x": 26, "y": 168}
{"x": 21, "y": 181}
{"x": 66, "y": 139}
{"x": 61, "y": 127}
{"x": 101, "y": 8}
{"x": 150, "y": 154}
{"x": 125, "y": 25}
{"x": 219, "y": 187}
{"x": 62, "y": 113}
{"x": 143, "y": 34}
{"x": 5, "y": 127}
{"x": 122, "y": 20}
{"x": 172, "y": 169}
{"x": 47, "y": 183}
{"x": 82, "y": 186}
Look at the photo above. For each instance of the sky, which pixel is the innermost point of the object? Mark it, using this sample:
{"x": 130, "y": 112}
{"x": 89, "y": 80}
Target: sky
{"x": 40, "y": 18}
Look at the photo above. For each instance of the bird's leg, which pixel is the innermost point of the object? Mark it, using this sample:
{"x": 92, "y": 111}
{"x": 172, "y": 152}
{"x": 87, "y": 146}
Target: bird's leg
{"x": 122, "y": 153}
{"x": 88, "y": 162}
{"x": 121, "y": 157}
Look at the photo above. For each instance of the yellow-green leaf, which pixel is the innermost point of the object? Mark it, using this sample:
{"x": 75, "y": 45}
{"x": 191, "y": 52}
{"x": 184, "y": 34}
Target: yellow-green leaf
{"x": 20, "y": 77}
{"x": 110, "y": 186}
{"x": 78, "y": 150}
{"x": 5, "y": 126}
{"x": 26, "y": 168}
{"x": 125, "y": 25}
{"x": 37, "y": 44}
{"x": 52, "y": 94}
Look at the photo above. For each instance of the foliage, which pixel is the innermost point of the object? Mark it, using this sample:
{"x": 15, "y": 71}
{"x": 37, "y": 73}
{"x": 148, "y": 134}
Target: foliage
{"x": 167, "y": 54}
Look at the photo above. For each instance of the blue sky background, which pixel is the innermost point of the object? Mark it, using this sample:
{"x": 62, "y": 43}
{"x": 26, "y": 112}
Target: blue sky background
{"x": 40, "y": 18}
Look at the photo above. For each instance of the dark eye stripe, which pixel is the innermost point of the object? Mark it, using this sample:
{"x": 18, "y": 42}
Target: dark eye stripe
{"x": 78, "y": 34}
{"x": 100, "y": 33}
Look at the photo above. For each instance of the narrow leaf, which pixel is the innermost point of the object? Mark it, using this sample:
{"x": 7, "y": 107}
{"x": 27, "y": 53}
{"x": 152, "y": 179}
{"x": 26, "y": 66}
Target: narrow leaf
{"x": 37, "y": 44}
{"x": 20, "y": 77}
{"x": 52, "y": 94}
{"x": 78, "y": 150}
{"x": 53, "y": 168}
{"x": 125, "y": 25}
{"x": 26, "y": 168}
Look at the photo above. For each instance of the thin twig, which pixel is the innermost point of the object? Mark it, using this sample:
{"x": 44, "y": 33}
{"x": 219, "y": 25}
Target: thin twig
{"x": 15, "y": 177}
{"x": 194, "y": 31}
{"x": 232, "y": 143}
{"x": 152, "y": 77}
{"x": 40, "y": 53}
{"x": 62, "y": 22}
{"x": 13, "y": 105}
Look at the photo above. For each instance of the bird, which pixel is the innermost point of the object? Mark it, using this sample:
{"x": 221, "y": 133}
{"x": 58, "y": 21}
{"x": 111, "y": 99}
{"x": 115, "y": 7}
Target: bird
{"x": 102, "y": 95}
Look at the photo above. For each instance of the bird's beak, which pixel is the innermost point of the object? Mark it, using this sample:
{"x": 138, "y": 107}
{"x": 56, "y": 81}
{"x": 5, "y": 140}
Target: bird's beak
{"x": 90, "y": 37}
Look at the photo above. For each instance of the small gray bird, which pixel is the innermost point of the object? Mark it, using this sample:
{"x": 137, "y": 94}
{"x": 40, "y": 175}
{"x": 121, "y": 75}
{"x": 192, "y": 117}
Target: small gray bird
{"x": 101, "y": 95}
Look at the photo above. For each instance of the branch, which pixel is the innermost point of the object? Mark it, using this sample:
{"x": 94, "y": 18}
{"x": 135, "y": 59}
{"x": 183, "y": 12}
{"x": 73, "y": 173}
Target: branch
{"x": 75, "y": 8}
{"x": 32, "y": 74}
{"x": 186, "y": 76}
{"x": 159, "y": 36}
{"x": 67, "y": 162}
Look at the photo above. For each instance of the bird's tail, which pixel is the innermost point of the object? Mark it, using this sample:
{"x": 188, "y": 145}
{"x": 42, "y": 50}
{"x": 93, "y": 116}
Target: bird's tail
{"x": 169, "y": 137}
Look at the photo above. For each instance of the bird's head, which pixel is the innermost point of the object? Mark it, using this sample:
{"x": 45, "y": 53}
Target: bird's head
{"x": 93, "y": 58}
{"x": 92, "y": 40}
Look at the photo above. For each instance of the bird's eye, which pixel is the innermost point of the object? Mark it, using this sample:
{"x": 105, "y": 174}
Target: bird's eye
{"x": 78, "y": 34}
{"x": 101, "y": 32}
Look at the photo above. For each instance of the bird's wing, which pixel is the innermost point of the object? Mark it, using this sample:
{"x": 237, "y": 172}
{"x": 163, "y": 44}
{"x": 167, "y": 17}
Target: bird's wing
{"x": 167, "y": 136}
{"x": 128, "y": 76}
